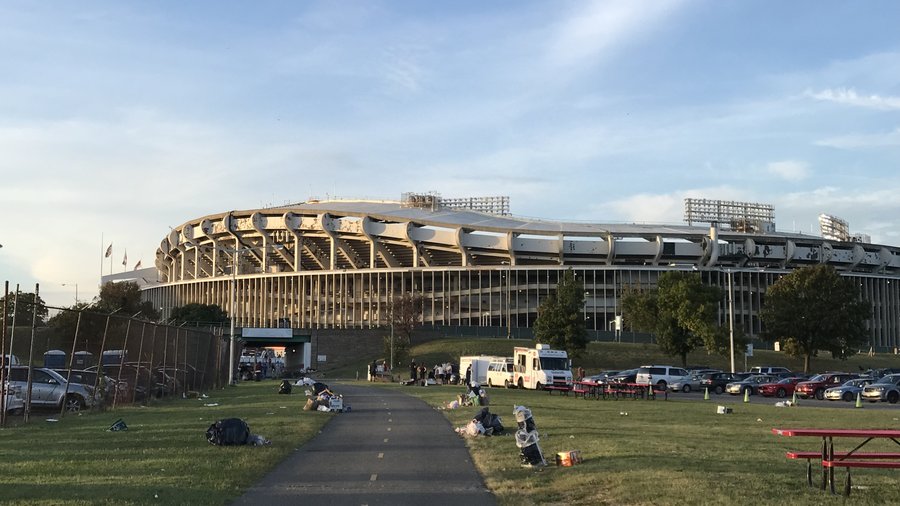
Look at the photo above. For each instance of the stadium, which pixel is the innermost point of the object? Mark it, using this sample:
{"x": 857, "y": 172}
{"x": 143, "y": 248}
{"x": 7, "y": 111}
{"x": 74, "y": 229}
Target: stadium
{"x": 480, "y": 271}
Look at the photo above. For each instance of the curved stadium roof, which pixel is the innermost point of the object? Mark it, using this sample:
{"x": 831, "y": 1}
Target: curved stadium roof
{"x": 362, "y": 234}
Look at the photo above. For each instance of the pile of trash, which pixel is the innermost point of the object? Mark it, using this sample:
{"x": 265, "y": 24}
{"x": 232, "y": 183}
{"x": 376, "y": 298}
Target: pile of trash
{"x": 474, "y": 396}
{"x": 484, "y": 423}
{"x": 321, "y": 398}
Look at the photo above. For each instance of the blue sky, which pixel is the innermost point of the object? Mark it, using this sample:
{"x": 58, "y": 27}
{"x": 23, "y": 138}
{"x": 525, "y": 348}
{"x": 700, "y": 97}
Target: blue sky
{"x": 122, "y": 119}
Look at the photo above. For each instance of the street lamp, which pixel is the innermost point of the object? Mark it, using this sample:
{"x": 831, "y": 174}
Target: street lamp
{"x": 731, "y": 314}
{"x": 76, "y": 290}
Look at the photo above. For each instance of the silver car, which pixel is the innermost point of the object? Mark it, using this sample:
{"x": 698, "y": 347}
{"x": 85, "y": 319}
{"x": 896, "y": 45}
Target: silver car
{"x": 13, "y": 401}
{"x": 749, "y": 385}
{"x": 848, "y": 391}
{"x": 50, "y": 389}
{"x": 885, "y": 389}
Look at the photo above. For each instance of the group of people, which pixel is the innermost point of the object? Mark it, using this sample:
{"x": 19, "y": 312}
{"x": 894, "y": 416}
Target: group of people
{"x": 440, "y": 374}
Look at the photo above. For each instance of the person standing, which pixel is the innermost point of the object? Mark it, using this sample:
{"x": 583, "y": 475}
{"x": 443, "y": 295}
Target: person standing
{"x": 412, "y": 371}
{"x": 468, "y": 375}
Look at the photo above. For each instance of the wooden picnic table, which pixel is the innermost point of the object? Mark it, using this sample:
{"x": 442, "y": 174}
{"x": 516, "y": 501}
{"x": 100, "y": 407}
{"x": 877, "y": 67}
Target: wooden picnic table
{"x": 853, "y": 458}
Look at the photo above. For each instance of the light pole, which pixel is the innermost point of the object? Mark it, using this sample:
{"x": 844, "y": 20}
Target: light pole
{"x": 233, "y": 315}
{"x": 731, "y": 314}
{"x": 76, "y": 290}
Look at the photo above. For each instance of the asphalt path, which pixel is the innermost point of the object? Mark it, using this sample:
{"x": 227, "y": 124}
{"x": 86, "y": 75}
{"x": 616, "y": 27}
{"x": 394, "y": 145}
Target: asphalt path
{"x": 390, "y": 449}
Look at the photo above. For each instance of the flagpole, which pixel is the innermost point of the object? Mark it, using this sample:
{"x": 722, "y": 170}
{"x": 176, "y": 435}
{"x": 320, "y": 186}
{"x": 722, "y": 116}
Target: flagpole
{"x": 101, "y": 256}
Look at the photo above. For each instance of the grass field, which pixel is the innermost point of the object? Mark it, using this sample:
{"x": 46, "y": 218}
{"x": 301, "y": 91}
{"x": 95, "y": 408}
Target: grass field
{"x": 640, "y": 452}
{"x": 163, "y": 457}
{"x": 660, "y": 452}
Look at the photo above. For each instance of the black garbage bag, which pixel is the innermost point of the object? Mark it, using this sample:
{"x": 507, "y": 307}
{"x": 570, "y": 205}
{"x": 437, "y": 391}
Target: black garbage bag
{"x": 228, "y": 432}
{"x": 285, "y": 387}
{"x": 492, "y": 423}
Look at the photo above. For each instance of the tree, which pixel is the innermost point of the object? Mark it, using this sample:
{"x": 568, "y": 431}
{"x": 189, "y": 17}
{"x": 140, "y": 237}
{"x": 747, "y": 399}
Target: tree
{"x": 681, "y": 312}
{"x": 405, "y": 312}
{"x": 124, "y": 297}
{"x": 24, "y": 309}
{"x": 201, "y": 314}
{"x": 560, "y": 321}
{"x": 813, "y": 309}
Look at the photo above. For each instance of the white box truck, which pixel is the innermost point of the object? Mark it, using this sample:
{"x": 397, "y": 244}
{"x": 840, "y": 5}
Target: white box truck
{"x": 540, "y": 367}
{"x": 479, "y": 364}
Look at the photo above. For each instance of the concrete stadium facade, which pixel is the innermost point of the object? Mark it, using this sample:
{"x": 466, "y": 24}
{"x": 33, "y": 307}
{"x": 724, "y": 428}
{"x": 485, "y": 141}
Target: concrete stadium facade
{"x": 337, "y": 264}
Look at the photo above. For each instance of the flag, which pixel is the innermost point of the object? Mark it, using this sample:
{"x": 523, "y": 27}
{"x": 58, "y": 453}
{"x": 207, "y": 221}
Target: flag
{"x": 125, "y": 259}
{"x": 108, "y": 251}
{"x": 137, "y": 265}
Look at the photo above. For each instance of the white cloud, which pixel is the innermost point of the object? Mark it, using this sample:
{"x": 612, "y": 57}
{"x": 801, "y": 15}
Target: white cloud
{"x": 789, "y": 170}
{"x": 662, "y": 207}
{"x": 849, "y": 96}
{"x": 602, "y": 25}
{"x": 862, "y": 140}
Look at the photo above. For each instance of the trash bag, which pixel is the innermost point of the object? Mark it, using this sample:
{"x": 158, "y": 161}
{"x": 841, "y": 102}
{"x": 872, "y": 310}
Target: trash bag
{"x": 285, "y": 387}
{"x": 311, "y": 405}
{"x": 492, "y": 423}
{"x": 474, "y": 428}
{"x": 228, "y": 432}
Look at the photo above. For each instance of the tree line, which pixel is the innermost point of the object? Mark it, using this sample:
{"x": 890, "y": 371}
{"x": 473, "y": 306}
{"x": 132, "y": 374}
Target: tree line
{"x": 809, "y": 310}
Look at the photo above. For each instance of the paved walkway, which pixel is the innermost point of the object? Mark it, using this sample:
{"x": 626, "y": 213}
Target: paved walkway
{"x": 391, "y": 449}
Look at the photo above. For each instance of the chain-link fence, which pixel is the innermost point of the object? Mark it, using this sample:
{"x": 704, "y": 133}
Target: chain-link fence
{"x": 96, "y": 361}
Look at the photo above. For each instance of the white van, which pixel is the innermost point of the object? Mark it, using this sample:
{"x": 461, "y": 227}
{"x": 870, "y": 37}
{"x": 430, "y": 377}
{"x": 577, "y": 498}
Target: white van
{"x": 479, "y": 367}
{"x": 500, "y": 372}
{"x": 661, "y": 375}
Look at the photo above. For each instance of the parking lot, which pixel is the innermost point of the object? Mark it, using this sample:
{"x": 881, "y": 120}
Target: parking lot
{"x": 759, "y": 399}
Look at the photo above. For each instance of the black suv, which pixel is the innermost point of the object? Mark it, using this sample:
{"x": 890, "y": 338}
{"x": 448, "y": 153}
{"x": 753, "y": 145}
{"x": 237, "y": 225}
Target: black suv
{"x": 716, "y": 381}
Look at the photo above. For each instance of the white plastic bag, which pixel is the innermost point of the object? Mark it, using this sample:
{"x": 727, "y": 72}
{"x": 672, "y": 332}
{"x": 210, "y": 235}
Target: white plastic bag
{"x": 474, "y": 428}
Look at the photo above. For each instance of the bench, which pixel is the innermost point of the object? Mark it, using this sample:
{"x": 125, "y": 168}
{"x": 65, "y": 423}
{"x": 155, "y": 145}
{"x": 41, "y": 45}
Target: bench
{"x": 584, "y": 389}
{"x": 560, "y": 389}
{"x": 854, "y": 458}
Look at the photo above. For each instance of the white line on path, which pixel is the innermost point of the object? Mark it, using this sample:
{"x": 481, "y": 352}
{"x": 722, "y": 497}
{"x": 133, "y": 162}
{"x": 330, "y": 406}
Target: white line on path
{"x": 385, "y": 440}
{"x": 373, "y": 477}
{"x": 381, "y": 455}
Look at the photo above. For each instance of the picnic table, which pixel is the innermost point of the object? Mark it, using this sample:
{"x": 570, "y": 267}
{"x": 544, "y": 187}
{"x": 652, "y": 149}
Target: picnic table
{"x": 848, "y": 459}
{"x": 591, "y": 389}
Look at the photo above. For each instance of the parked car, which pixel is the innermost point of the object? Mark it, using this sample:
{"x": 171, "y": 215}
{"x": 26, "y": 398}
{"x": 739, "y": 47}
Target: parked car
{"x": 848, "y": 391}
{"x": 781, "y": 388}
{"x": 50, "y": 389}
{"x": 772, "y": 371}
{"x": 626, "y": 376}
{"x": 750, "y": 384}
{"x": 14, "y": 402}
{"x": 602, "y": 377}
{"x": 89, "y": 378}
{"x": 885, "y": 389}
{"x": 816, "y": 386}
{"x": 692, "y": 383}
{"x": 500, "y": 372}
{"x": 715, "y": 382}
{"x": 660, "y": 375}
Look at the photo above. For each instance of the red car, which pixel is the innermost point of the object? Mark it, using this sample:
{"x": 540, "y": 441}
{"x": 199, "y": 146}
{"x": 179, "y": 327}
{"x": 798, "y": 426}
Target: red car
{"x": 816, "y": 386}
{"x": 781, "y": 388}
